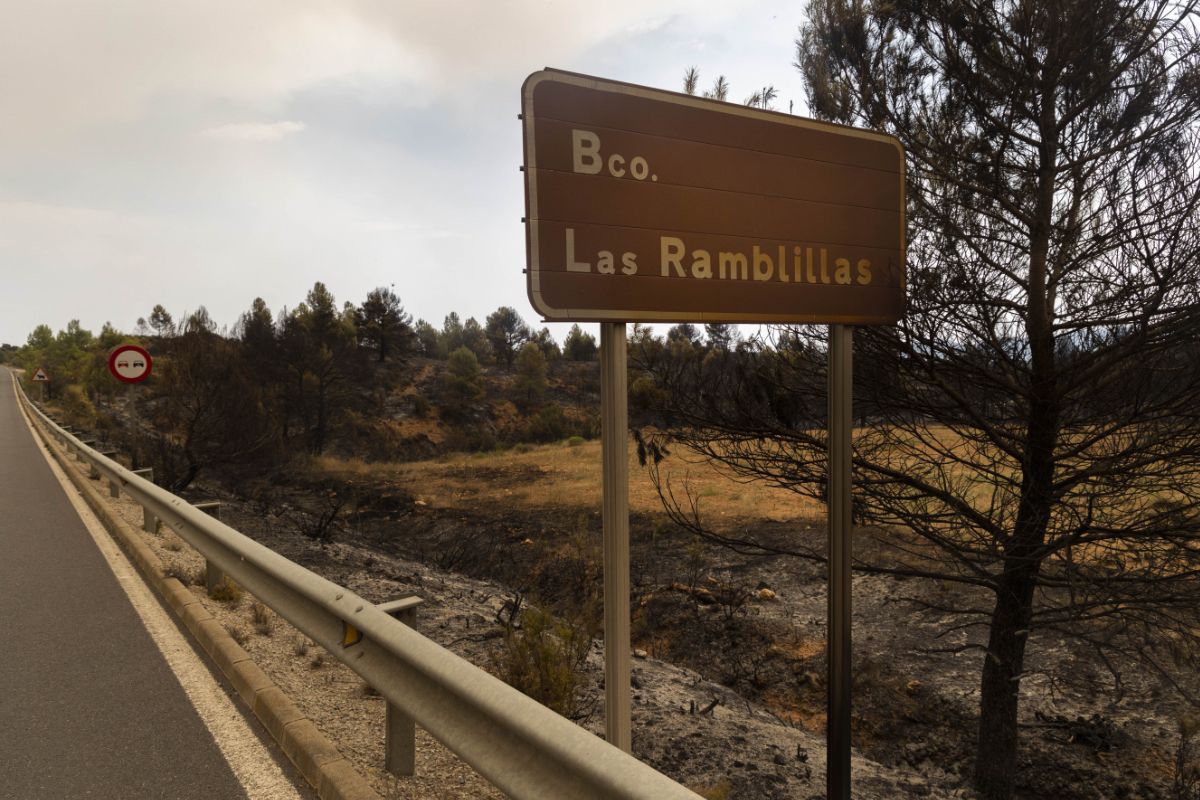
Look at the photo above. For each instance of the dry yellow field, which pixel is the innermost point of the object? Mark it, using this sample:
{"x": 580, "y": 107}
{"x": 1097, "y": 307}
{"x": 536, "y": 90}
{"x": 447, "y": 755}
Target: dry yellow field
{"x": 565, "y": 476}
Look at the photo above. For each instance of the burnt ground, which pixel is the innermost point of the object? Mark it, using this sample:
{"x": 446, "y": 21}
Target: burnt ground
{"x": 754, "y": 627}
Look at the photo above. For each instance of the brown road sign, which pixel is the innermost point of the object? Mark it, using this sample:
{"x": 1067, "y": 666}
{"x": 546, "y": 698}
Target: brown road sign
{"x": 655, "y": 206}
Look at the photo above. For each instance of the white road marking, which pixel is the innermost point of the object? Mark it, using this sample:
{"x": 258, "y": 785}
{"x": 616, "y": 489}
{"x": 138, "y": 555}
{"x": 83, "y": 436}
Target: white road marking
{"x": 250, "y": 762}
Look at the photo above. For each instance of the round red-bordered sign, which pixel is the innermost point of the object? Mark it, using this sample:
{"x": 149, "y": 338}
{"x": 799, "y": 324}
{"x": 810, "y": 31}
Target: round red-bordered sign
{"x": 130, "y": 363}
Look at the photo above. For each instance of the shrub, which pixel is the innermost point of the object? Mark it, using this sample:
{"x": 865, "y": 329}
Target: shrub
{"x": 646, "y": 395}
{"x": 471, "y": 438}
{"x": 462, "y": 384}
{"x": 226, "y": 592}
{"x": 575, "y": 441}
{"x": 77, "y": 408}
{"x": 420, "y": 406}
{"x": 264, "y": 620}
{"x": 548, "y": 425}
{"x": 717, "y": 791}
{"x": 544, "y": 658}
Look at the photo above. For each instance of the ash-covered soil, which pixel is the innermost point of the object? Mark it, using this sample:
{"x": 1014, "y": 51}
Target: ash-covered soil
{"x": 729, "y": 696}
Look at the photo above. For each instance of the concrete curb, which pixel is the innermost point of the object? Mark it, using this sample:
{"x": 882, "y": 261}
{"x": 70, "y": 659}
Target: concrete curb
{"x": 325, "y": 769}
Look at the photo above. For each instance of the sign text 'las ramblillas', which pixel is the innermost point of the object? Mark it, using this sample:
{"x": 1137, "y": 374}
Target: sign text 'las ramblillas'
{"x": 651, "y": 205}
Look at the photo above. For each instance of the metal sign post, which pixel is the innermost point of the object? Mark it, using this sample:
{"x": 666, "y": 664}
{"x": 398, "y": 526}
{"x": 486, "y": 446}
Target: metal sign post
{"x": 840, "y": 456}
{"x": 614, "y": 444}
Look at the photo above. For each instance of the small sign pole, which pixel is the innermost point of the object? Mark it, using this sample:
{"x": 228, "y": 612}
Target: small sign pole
{"x": 614, "y": 444}
{"x": 41, "y": 379}
{"x": 840, "y": 476}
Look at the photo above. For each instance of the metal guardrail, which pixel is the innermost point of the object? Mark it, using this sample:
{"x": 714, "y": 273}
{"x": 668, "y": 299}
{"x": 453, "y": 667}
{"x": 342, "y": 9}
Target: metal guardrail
{"x": 519, "y": 745}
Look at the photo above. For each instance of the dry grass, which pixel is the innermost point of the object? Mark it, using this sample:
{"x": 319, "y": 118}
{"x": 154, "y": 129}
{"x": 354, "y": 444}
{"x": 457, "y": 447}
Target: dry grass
{"x": 263, "y": 619}
{"x": 558, "y": 475}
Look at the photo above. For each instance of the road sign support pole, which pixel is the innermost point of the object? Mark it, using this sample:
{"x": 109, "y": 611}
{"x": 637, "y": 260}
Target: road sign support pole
{"x": 614, "y": 442}
{"x": 840, "y": 455}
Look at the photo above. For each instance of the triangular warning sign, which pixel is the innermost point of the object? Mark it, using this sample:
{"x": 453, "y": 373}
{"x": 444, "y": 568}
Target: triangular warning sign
{"x": 40, "y": 376}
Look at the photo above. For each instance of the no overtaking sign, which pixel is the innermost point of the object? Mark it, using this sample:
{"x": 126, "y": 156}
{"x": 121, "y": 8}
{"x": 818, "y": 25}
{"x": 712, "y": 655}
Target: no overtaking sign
{"x": 130, "y": 363}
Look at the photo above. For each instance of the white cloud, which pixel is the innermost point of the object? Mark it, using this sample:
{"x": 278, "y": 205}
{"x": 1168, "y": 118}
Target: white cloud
{"x": 128, "y": 155}
{"x": 253, "y": 131}
{"x": 69, "y": 66}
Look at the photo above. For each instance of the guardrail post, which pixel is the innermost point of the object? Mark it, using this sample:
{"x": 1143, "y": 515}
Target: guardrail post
{"x": 213, "y": 576}
{"x": 94, "y": 473}
{"x": 149, "y": 521}
{"x": 400, "y": 739}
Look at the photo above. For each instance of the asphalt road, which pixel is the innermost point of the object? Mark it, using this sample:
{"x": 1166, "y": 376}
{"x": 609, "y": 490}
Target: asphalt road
{"x": 88, "y": 705}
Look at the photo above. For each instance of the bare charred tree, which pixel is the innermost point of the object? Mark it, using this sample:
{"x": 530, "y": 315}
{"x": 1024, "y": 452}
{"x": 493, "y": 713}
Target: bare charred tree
{"x": 1033, "y": 420}
{"x": 212, "y": 412}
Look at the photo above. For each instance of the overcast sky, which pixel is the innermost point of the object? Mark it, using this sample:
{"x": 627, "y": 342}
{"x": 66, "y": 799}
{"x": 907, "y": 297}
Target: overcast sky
{"x": 207, "y": 153}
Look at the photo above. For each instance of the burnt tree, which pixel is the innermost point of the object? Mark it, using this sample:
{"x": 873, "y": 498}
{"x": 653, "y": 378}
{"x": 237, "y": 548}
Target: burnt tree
{"x": 1032, "y": 422}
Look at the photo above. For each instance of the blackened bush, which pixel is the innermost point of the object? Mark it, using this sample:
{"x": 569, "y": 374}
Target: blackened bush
{"x": 549, "y": 424}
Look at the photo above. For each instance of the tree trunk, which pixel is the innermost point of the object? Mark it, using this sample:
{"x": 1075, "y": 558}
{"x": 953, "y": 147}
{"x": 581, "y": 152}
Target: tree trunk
{"x": 996, "y": 756}
{"x": 1000, "y": 687}
{"x": 318, "y": 434}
